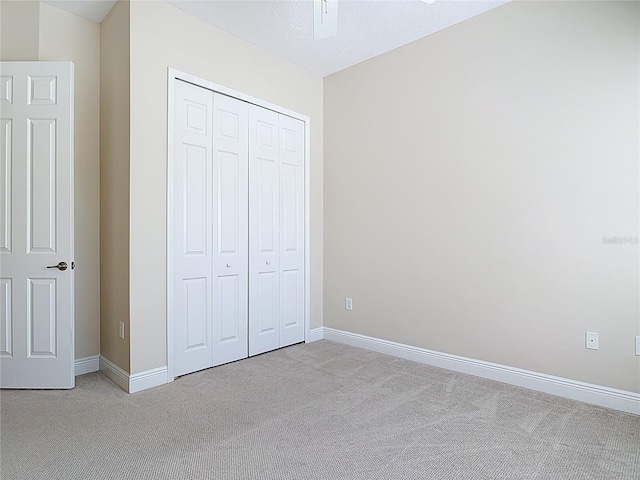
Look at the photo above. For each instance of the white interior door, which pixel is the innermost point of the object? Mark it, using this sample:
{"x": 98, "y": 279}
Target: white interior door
{"x": 291, "y": 320}
{"x": 230, "y": 205}
{"x": 192, "y": 254}
{"x": 264, "y": 231}
{"x": 36, "y": 225}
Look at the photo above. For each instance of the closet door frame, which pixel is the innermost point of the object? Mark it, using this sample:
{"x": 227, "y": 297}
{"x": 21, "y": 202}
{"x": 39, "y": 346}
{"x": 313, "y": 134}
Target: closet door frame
{"x": 172, "y": 77}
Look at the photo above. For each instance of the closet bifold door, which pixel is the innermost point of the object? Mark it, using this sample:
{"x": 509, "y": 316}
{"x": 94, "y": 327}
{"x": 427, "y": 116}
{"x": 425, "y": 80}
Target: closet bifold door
{"x": 276, "y": 230}
{"x": 230, "y": 229}
{"x": 192, "y": 233}
{"x": 292, "y": 151}
{"x": 264, "y": 229}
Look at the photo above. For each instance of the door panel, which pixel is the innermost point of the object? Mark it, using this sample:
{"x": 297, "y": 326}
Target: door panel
{"x": 192, "y": 233}
{"x": 36, "y": 225}
{"x": 41, "y": 190}
{"x": 230, "y": 306}
{"x": 41, "y": 318}
{"x": 264, "y": 230}
{"x": 5, "y": 186}
{"x": 291, "y": 231}
{"x": 229, "y": 196}
{"x": 6, "y": 318}
{"x": 196, "y": 293}
{"x": 231, "y": 230}
{"x": 267, "y": 207}
{"x": 266, "y": 309}
{"x": 196, "y": 172}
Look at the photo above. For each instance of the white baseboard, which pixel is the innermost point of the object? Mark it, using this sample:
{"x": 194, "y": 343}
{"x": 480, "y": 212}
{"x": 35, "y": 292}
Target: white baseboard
{"x": 87, "y": 365}
{"x": 115, "y": 373}
{"x": 148, "y": 379}
{"x": 315, "y": 334}
{"x": 136, "y": 382}
{"x": 563, "y": 387}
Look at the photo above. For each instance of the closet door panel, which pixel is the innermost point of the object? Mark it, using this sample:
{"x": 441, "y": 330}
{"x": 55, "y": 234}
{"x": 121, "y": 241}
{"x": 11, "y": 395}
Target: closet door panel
{"x": 264, "y": 231}
{"x": 292, "y": 141}
{"x": 230, "y": 266}
{"x": 192, "y": 232}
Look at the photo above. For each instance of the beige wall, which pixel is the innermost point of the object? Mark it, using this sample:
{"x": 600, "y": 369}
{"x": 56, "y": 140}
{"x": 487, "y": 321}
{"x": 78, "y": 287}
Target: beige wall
{"x": 34, "y": 31}
{"x": 19, "y": 30}
{"x": 469, "y": 180}
{"x": 114, "y": 184}
{"x": 67, "y": 37}
{"x": 163, "y": 36}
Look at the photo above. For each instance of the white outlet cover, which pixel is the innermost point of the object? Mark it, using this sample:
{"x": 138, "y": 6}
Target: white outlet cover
{"x": 591, "y": 340}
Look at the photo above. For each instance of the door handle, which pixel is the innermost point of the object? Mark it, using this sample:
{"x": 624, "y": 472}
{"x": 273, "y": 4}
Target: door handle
{"x": 61, "y": 266}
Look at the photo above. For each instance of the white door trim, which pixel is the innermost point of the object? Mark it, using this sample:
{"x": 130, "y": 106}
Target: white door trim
{"x": 172, "y": 76}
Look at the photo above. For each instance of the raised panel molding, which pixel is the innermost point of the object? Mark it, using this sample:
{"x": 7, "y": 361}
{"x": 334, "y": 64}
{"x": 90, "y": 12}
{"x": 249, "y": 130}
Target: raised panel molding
{"x": 41, "y": 195}
{"x": 6, "y": 89}
{"x": 290, "y": 227}
{"x": 228, "y": 191}
{"x": 6, "y": 318}
{"x": 290, "y": 307}
{"x": 6, "y": 160}
{"x": 195, "y": 204}
{"x": 228, "y": 302}
{"x": 42, "y": 321}
{"x": 195, "y": 295}
{"x": 266, "y": 135}
{"x": 289, "y": 138}
{"x": 195, "y": 117}
{"x": 229, "y": 126}
{"x": 42, "y": 90}
{"x": 267, "y": 205}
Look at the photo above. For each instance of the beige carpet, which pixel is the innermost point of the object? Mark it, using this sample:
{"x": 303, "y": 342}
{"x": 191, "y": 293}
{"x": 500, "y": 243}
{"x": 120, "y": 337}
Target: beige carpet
{"x": 317, "y": 411}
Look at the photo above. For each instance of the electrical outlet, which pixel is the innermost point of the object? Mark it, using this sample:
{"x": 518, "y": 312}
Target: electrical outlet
{"x": 638, "y": 345}
{"x": 591, "y": 340}
{"x": 348, "y": 303}
{"x": 121, "y": 327}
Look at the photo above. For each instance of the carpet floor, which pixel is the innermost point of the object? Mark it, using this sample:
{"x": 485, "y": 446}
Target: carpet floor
{"x": 316, "y": 411}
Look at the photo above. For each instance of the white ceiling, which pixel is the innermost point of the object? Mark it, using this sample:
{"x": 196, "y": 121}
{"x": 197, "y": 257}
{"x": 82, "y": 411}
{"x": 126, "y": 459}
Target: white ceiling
{"x": 94, "y": 10}
{"x": 366, "y": 28}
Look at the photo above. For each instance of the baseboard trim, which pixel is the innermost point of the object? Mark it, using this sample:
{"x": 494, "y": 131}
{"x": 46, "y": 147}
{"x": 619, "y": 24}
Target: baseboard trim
{"x": 135, "y": 382}
{"x": 115, "y": 373}
{"x": 315, "y": 334}
{"x": 147, "y": 379}
{"x": 87, "y": 365}
{"x": 585, "y": 392}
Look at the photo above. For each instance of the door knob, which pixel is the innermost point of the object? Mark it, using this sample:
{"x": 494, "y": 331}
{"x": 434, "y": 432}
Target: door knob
{"x": 228, "y": 265}
{"x": 61, "y": 266}
{"x": 268, "y": 262}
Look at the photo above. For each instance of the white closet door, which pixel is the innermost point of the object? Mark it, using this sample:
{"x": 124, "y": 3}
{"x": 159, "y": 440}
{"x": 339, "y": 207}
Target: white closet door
{"x": 264, "y": 229}
{"x": 230, "y": 265}
{"x": 192, "y": 232}
{"x": 291, "y": 321}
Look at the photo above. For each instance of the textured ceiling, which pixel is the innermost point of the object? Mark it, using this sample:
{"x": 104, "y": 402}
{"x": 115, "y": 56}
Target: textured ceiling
{"x": 366, "y": 28}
